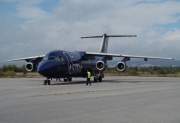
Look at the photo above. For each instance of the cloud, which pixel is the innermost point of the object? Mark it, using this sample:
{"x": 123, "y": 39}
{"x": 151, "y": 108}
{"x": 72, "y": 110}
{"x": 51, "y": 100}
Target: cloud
{"x": 34, "y": 31}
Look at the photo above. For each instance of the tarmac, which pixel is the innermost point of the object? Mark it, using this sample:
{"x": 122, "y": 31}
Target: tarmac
{"x": 118, "y": 99}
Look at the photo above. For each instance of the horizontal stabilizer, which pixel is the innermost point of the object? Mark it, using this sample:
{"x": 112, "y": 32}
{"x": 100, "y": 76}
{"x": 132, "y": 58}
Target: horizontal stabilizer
{"x": 105, "y": 35}
{"x": 105, "y": 38}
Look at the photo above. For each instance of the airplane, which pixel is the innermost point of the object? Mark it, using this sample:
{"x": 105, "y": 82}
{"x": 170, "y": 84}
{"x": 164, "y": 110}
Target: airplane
{"x": 68, "y": 64}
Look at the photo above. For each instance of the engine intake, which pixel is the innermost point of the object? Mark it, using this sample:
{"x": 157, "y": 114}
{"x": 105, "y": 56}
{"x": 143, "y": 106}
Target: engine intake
{"x": 121, "y": 66}
{"x": 100, "y": 65}
{"x": 30, "y": 67}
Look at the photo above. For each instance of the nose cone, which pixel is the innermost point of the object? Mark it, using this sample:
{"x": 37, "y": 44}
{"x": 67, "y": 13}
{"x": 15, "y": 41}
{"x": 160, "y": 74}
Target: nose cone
{"x": 42, "y": 68}
{"x": 46, "y": 68}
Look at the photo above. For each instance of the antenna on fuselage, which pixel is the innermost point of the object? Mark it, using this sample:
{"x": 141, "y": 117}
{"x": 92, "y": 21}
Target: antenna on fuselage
{"x": 105, "y": 38}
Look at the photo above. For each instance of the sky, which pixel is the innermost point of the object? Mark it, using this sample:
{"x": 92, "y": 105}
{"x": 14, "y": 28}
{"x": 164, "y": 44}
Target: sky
{"x": 35, "y": 27}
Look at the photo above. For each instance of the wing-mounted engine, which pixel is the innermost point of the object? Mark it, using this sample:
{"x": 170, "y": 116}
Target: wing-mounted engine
{"x": 31, "y": 66}
{"x": 121, "y": 66}
{"x": 100, "y": 65}
{"x": 32, "y": 62}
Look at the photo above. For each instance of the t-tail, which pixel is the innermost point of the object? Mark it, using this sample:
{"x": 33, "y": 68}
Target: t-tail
{"x": 105, "y": 39}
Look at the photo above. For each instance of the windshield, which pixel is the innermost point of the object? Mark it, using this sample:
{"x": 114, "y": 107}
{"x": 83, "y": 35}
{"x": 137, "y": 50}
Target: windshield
{"x": 49, "y": 58}
{"x": 53, "y": 58}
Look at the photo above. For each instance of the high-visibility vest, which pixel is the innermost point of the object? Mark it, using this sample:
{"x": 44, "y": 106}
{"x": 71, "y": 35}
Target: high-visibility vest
{"x": 89, "y": 74}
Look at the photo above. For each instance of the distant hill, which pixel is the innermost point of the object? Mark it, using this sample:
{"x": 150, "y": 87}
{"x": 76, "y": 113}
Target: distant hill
{"x": 113, "y": 63}
{"x": 12, "y": 63}
{"x": 141, "y": 62}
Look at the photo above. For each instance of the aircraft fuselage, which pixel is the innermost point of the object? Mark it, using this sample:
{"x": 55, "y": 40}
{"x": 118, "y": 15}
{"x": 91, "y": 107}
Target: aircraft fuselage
{"x": 61, "y": 64}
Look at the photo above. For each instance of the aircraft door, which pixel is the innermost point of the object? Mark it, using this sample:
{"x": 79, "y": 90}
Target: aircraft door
{"x": 74, "y": 67}
{"x": 69, "y": 60}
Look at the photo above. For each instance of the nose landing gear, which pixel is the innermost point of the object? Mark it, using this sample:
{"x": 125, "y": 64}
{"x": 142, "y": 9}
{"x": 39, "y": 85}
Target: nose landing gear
{"x": 47, "y": 81}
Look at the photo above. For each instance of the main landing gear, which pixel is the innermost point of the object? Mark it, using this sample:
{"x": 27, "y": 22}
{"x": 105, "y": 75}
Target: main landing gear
{"x": 98, "y": 78}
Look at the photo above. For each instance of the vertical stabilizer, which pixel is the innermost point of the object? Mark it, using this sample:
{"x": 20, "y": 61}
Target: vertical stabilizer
{"x": 105, "y": 39}
{"x": 104, "y": 44}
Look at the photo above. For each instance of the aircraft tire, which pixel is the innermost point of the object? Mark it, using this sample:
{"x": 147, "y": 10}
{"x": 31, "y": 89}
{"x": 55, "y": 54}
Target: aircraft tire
{"x": 100, "y": 79}
{"x": 95, "y": 80}
{"x": 48, "y": 82}
{"x": 45, "y": 82}
{"x": 69, "y": 79}
{"x": 65, "y": 79}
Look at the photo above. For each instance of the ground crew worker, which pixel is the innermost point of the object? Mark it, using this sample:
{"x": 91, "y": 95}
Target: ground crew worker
{"x": 88, "y": 78}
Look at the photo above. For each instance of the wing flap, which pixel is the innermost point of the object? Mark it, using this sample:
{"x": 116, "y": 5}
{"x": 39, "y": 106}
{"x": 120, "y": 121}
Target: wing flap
{"x": 147, "y": 57}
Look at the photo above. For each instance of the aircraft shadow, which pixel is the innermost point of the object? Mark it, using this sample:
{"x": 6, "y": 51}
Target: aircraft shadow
{"x": 117, "y": 80}
{"x": 84, "y": 82}
{"x": 131, "y": 81}
{"x": 71, "y": 83}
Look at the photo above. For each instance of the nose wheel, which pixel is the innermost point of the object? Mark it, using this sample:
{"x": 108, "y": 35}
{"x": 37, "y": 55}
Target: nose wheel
{"x": 47, "y": 81}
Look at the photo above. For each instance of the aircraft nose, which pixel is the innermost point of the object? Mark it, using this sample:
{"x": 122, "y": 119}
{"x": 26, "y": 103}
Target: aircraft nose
{"x": 45, "y": 68}
{"x": 42, "y": 69}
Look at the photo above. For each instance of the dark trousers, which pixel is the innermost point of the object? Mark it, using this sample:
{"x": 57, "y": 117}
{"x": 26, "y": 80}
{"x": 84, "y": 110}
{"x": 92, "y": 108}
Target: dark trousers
{"x": 88, "y": 81}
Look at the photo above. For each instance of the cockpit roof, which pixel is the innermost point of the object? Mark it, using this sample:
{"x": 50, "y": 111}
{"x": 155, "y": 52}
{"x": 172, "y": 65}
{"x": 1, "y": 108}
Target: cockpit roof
{"x": 55, "y": 53}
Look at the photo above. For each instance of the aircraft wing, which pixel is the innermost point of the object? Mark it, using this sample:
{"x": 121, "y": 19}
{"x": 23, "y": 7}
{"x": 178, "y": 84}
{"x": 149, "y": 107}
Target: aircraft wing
{"x": 28, "y": 58}
{"x": 126, "y": 56}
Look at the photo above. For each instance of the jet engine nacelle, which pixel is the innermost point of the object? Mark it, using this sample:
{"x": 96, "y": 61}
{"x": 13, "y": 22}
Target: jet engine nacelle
{"x": 30, "y": 66}
{"x": 100, "y": 65}
{"x": 121, "y": 66}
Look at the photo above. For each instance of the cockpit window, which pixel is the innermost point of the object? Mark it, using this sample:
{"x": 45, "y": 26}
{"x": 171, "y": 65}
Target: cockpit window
{"x": 57, "y": 59}
{"x": 61, "y": 59}
{"x": 45, "y": 58}
{"x": 49, "y": 58}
